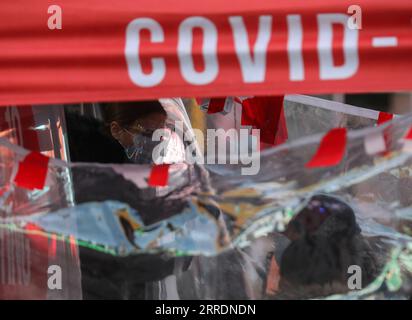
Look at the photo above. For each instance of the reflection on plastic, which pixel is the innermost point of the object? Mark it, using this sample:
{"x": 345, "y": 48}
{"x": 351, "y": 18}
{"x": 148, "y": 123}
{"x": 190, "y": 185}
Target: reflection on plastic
{"x": 233, "y": 228}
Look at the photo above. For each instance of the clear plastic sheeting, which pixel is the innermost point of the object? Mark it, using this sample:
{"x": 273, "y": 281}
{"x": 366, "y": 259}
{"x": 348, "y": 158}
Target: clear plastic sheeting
{"x": 35, "y": 263}
{"x": 326, "y": 114}
{"x": 288, "y": 232}
{"x": 305, "y": 115}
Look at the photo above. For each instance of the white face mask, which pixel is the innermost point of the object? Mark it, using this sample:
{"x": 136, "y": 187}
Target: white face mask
{"x": 164, "y": 146}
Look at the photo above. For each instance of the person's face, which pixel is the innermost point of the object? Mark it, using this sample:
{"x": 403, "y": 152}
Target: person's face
{"x": 308, "y": 220}
{"x": 144, "y": 125}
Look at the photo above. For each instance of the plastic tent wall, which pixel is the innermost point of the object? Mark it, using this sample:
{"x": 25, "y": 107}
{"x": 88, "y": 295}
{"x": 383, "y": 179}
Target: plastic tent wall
{"x": 216, "y": 223}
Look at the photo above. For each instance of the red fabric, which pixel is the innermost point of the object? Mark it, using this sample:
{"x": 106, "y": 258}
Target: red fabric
{"x": 159, "y": 176}
{"x": 384, "y": 117}
{"x": 267, "y": 115}
{"x": 86, "y": 60}
{"x": 409, "y": 135}
{"x": 32, "y": 171}
{"x": 216, "y": 105}
{"x": 331, "y": 149}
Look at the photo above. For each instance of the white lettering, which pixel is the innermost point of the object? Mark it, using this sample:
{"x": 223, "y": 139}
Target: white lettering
{"x": 328, "y": 71}
{"x": 132, "y": 53}
{"x": 209, "y": 51}
{"x": 253, "y": 68}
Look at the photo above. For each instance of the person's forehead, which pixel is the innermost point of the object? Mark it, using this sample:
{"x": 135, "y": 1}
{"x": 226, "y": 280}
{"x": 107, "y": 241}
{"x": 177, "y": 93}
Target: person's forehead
{"x": 151, "y": 121}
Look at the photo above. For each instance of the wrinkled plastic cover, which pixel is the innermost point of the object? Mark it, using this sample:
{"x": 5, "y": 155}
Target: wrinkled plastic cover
{"x": 228, "y": 223}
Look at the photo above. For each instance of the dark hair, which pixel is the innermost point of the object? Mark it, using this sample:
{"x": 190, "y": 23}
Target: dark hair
{"x": 89, "y": 142}
{"x": 126, "y": 113}
{"x": 316, "y": 262}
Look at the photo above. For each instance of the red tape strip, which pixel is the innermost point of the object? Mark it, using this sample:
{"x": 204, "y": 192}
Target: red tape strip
{"x": 159, "y": 176}
{"x": 331, "y": 149}
{"x": 409, "y": 135}
{"x": 384, "y": 117}
{"x": 32, "y": 171}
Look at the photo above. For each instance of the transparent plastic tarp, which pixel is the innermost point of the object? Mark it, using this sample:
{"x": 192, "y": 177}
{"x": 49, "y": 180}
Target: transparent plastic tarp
{"x": 214, "y": 233}
{"x": 29, "y": 253}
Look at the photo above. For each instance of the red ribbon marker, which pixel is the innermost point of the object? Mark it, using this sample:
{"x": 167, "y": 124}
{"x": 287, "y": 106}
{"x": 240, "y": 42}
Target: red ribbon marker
{"x": 216, "y": 105}
{"x": 198, "y": 101}
{"x": 159, "y": 176}
{"x": 267, "y": 115}
{"x": 408, "y": 141}
{"x": 331, "y": 149}
{"x": 409, "y": 135}
{"x": 32, "y": 171}
{"x": 384, "y": 117}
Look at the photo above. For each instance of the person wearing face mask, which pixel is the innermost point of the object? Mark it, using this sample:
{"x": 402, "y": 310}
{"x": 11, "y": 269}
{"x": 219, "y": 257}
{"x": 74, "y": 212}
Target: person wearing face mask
{"x": 126, "y": 136}
{"x": 132, "y": 125}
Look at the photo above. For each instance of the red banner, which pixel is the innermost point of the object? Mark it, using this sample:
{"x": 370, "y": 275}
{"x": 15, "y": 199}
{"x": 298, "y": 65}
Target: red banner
{"x": 94, "y": 50}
